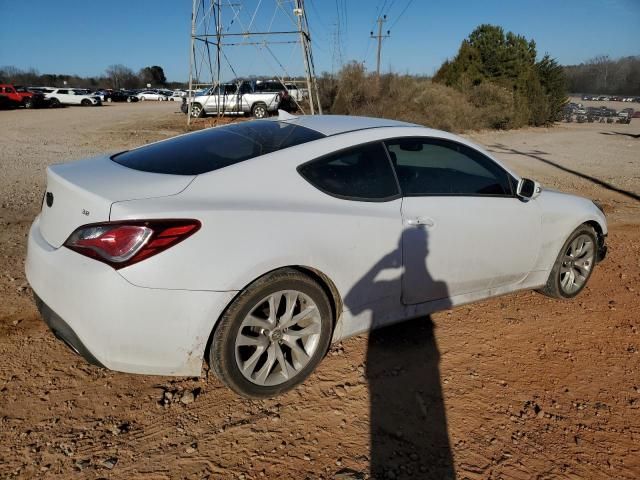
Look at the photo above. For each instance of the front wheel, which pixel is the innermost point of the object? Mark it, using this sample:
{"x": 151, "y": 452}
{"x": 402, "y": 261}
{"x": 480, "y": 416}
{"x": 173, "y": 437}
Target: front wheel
{"x": 85, "y": 102}
{"x": 197, "y": 111}
{"x": 273, "y": 335}
{"x": 28, "y": 103}
{"x": 54, "y": 103}
{"x": 574, "y": 264}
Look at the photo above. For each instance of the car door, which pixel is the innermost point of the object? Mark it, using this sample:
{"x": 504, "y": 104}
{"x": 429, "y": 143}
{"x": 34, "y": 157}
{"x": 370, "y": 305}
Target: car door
{"x": 231, "y": 98}
{"x": 211, "y": 100}
{"x": 464, "y": 229}
{"x": 363, "y": 257}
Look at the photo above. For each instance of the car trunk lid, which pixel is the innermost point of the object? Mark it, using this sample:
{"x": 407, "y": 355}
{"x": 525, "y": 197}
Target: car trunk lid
{"x": 82, "y": 192}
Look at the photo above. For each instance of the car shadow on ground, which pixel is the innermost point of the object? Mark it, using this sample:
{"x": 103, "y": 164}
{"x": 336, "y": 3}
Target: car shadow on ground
{"x": 632, "y": 135}
{"x": 536, "y": 155}
{"x": 408, "y": 425}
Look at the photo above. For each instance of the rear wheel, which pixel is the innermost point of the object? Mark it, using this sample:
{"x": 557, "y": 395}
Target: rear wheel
{"x": 85, "y": 102}
{"x": 55, "y": 102}
{"x": 273, "y": 335}
{"x": 574, "y": 264}
{"x": 259, "y": 110}
{"x": 28, "y": 103}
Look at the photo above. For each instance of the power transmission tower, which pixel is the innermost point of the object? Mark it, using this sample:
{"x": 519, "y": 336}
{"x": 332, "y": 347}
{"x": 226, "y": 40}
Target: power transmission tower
{"x": 218, "y": 26}
{"x": 380, "y": 37}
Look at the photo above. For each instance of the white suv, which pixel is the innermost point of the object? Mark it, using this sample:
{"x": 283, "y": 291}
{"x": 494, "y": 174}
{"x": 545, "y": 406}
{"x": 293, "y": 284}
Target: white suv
{"x": 72, "y": 96}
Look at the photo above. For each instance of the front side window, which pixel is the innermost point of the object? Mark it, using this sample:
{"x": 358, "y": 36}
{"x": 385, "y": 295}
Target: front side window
{"x": 429, "y": 166}
{"x": 360, "y": 173}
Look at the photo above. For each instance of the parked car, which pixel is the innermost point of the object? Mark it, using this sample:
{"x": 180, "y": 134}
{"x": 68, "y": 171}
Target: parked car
{"x": 235, "y": 99}
{"x": 18, "y": 96}
{"x": 123, "y": 96}
{"x": 105, "y": 95}
{"x": 152, "y": 95}
{"x": 176, "y": 96}
{"x": 72, "y": 96}
{"x": 626, "y": 113}
{"x": 256, "y": 244}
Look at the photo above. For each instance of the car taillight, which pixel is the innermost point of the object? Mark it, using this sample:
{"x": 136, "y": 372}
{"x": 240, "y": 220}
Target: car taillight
{"x": 124, "y": 243}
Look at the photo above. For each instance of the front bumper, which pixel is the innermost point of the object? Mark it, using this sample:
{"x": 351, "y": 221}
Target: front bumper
{"x": 115, "y": 324}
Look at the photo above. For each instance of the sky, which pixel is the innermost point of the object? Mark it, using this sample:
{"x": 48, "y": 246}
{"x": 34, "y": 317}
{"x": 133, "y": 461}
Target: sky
{"x": 83, "y": 38}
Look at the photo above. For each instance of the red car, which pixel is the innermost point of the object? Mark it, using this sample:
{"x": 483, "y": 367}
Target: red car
{"x": 17, "y": 96}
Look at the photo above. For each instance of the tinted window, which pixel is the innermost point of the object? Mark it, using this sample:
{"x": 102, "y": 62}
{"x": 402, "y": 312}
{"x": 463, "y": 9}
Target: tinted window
{"x": 362, "y": 173}
{"x": 441, "y": 167}
{"x": 215, "y": 148}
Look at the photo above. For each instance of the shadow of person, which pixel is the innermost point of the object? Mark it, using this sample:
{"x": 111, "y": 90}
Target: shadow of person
{"x": 408, "y": 425}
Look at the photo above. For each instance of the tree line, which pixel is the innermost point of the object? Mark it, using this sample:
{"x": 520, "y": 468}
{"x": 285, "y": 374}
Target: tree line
{"x": 115, "y": 76}
{"x": 603, "y": 75}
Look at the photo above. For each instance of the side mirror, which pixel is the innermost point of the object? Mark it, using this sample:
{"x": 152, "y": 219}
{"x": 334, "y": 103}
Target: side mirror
{"x": 528, "y": 189}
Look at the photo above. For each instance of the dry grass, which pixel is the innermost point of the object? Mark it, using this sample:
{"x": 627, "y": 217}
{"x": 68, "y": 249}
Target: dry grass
{"x": 417, "y": 100}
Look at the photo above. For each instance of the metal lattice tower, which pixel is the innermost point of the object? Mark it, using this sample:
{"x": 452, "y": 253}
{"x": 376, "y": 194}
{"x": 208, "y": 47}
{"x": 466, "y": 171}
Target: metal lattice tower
{"x": 270, "y": 29}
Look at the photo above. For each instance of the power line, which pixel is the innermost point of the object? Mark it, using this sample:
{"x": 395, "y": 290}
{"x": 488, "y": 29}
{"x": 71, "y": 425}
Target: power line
{"x": 401, "y": 14}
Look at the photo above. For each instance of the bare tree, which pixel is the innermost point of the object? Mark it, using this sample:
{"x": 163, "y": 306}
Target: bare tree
{"x": 121, "y": 76}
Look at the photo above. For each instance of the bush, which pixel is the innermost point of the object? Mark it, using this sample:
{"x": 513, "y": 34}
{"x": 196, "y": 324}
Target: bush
{"x": 417, "y": 100}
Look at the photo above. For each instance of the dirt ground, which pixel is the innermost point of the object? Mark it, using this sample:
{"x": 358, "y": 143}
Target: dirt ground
{"x": 517, "y": 387}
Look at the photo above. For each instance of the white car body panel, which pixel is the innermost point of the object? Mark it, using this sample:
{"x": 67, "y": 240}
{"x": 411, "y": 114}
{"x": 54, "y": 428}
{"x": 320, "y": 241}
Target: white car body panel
{"x": 102, "y": 182}
{"x": 260, "y": 215}
{"x": 129, "y": 329}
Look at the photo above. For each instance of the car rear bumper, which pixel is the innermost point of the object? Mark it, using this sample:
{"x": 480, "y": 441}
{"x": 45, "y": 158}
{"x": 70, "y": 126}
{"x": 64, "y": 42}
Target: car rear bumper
{"x": 115, "y": 324}
{"x": 64, "y": 332}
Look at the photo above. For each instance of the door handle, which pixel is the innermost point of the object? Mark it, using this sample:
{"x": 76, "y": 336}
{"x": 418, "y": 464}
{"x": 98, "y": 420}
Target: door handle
{"x": 421, "y": 222}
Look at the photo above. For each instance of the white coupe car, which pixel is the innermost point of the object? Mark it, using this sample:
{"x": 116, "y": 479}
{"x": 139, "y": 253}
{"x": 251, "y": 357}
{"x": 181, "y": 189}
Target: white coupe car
{"x": 255, "y": 245}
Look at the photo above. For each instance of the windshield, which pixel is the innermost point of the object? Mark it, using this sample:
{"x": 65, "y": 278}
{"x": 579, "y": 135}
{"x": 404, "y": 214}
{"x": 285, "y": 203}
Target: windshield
{"x": 216, "y": 148}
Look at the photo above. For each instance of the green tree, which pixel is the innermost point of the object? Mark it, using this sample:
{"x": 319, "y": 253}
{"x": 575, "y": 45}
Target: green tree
{"x": 508, "y": 60}
{"x": 153, "y": 75}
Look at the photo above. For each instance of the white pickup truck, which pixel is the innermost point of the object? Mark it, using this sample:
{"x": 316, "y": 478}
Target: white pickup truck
{"x": 235, "y": 99}
{"x": 72, "y": 96}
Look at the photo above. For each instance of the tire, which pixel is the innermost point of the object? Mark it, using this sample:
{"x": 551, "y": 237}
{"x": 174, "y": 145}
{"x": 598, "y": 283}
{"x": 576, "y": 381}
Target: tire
{"x": 129, "y": 100}
{"x": 197, "y": 111}
{"x": 85, "y": 102}
{"x": 574, "y": 265}
{"x": 259, "y": 110}
{"x": 276, "y": 355}
{"x": 55, "y": 103}
{"x": 142, "y": 98}
{"x": 28, "y": 103}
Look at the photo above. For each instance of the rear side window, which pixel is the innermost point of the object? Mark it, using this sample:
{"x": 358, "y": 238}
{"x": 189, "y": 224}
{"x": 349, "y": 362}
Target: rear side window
{"x": 216, "y": 148}
{"x": 360, "y": 173}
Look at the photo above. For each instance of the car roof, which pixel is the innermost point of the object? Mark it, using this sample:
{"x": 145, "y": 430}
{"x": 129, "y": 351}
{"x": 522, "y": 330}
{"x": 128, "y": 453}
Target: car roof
{"x": 336, "y": 124}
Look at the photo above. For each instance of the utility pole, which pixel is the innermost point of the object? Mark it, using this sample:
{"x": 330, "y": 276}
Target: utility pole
{"x": 380, "y": 36}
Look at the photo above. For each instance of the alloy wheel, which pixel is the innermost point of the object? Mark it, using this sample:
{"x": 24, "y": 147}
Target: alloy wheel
{"x": 278, "y": 338}
{"x": 577, "y": 263}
